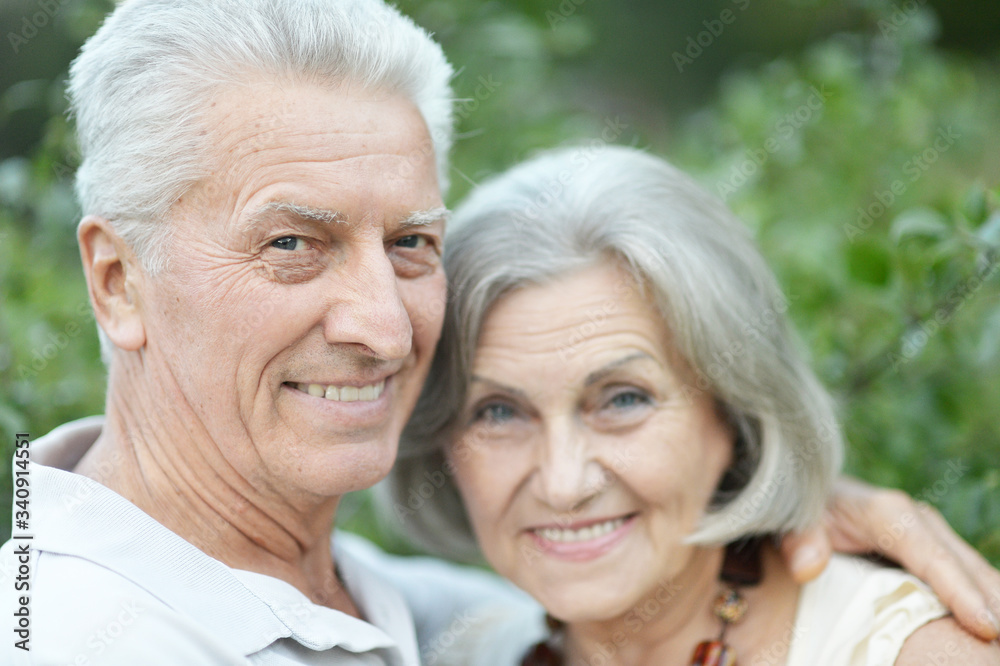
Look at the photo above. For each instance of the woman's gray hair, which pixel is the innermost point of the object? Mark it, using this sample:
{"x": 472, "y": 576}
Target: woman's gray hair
{"x": 142, "y": 84}
{"x": 695, "y": 261}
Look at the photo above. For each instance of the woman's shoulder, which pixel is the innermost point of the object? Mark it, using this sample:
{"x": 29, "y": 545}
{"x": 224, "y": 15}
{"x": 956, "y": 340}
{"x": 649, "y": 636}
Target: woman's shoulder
{"x": 944, "y": 643}
{"x": 859, "y": 614}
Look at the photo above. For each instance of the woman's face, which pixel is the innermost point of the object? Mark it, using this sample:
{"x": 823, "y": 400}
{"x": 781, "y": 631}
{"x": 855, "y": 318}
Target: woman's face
{"x": 584, "y": 459}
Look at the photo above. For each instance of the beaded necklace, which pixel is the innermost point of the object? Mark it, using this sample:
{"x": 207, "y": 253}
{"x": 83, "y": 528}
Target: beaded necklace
{"x": 740, "y": 568}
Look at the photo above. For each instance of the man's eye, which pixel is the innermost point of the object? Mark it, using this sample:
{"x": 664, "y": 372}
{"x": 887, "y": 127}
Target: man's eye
{"x": 412, "y": 241}
{"x": 289, "y": 243}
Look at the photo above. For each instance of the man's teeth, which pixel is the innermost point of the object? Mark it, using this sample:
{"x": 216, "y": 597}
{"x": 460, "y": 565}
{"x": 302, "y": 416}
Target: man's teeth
{"x": 583, "y": 534}
{"x": 344, "y": 393}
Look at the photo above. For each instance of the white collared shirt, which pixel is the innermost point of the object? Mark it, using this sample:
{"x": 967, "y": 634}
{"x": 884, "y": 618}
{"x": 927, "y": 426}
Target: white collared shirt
{"x": 112, "y": 586}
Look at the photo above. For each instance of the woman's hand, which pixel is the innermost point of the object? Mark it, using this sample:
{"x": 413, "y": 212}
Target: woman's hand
{"x": 864, "y": 519}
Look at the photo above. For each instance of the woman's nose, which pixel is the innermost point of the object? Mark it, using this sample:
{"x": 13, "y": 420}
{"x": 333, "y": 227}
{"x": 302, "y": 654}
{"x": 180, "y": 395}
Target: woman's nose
{"x": 567, "y": 476}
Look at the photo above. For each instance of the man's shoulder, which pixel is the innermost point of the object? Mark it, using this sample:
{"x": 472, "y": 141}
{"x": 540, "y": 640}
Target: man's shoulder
{"x": 80, "y": 612}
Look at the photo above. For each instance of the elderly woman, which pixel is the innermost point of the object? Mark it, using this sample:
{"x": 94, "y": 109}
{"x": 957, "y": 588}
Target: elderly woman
{"x": 621, "y": 408}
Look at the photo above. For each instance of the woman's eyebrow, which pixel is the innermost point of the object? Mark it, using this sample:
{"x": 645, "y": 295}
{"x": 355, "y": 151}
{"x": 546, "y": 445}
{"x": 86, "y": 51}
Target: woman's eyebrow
{"x": 601, "y": 373}
{"x": 500, "y": 386}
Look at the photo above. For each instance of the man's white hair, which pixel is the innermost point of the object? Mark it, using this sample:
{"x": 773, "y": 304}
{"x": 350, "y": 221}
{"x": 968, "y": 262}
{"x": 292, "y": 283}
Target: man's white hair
{"x": 142, "y": 84}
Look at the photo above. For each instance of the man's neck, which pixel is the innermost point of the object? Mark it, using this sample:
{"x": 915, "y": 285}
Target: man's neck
{"x": 162, "y": 460}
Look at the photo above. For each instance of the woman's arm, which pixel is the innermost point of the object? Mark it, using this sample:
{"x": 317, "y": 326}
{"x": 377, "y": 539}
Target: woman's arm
{"x": 863, "y": 519}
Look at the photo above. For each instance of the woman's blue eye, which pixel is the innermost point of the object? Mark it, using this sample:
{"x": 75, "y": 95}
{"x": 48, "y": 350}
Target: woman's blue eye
{"x": 629, "y": 399}
{"x": 495, "y": 413}
{"x": 289, "y": 243}
{"x": 413, "y": 241}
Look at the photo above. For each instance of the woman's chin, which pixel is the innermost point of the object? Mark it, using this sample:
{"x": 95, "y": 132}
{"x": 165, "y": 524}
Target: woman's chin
{"x": 585, "y": 603}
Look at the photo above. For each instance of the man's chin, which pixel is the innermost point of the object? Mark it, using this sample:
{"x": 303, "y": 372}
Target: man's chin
{"x": 331, "y": 470}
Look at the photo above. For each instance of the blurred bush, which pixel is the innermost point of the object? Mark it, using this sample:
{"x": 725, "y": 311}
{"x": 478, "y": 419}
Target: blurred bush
{"x": 865, "y": 158}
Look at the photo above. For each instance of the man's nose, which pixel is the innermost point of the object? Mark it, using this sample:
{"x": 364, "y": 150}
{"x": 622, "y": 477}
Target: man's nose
{"x": 567, "y": 475}
{"x": 367, "y": 309}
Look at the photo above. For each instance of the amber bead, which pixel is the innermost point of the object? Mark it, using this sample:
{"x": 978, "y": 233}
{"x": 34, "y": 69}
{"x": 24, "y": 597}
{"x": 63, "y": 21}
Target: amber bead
{"x": 730, "y": 607}
{"x": 713, "y": 653}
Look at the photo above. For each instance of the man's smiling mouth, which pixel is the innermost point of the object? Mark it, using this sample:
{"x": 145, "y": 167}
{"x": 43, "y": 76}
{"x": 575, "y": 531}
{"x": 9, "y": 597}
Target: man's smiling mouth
{"x": 366, "y": 393}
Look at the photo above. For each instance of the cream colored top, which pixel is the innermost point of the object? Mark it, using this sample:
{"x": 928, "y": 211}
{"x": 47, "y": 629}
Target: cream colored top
{"x": 853, "y": 614}
{"x": 859, "y": 614}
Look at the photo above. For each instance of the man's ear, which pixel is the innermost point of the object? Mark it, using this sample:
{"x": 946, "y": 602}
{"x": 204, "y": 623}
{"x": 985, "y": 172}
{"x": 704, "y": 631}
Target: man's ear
{"x": 112, "y": 273}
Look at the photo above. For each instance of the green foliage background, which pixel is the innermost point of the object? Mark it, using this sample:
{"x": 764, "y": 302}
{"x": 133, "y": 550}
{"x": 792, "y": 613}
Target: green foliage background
{"x": 899, "y": 307}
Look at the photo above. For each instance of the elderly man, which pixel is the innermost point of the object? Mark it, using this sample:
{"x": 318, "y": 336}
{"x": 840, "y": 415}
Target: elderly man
{"x": 262, "y": 183}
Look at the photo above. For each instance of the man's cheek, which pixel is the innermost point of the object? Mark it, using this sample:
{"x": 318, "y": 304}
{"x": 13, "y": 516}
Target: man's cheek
{"x": 425, "y": 304}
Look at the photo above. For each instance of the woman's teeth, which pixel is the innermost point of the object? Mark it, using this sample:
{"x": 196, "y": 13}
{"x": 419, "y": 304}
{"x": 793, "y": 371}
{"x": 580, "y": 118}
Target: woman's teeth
{"x": 583, "y": 534}
{"x": 343, "y": 393}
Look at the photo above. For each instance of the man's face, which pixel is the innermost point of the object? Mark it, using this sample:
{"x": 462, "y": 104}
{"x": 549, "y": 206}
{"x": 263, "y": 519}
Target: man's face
{"x": 304, "y": 294}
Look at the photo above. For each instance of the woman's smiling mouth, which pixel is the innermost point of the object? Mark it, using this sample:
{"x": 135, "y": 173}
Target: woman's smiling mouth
{"x": 584, "y": 542}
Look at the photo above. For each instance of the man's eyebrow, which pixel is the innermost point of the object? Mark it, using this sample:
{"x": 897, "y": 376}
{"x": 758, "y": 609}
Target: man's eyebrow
{"x": 297, "y": 210}
{"x": 420, "y": 218}
{"x": 423, "y": 218}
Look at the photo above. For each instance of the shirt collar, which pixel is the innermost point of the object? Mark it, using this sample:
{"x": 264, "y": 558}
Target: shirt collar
{"x": 75, "y": 515}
